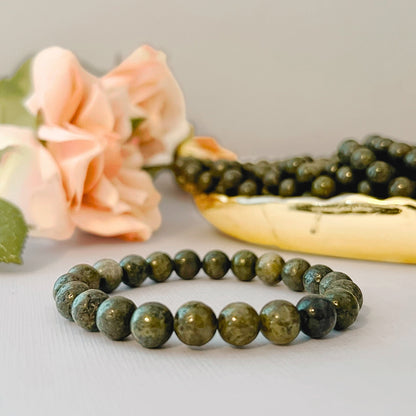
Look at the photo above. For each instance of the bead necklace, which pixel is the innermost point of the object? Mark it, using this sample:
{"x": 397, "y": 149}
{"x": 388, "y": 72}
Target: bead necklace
{"x": 81, "y": 295}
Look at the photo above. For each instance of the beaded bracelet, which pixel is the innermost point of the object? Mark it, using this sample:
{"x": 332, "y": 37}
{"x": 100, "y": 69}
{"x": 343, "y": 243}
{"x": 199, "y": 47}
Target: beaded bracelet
{"x": 81, "y": 296}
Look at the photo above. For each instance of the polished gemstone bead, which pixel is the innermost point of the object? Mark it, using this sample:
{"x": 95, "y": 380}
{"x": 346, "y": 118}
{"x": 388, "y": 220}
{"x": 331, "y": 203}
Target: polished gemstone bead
{"x": 187, "y": 264}
{"x": 66, "y": 296}
{"x": 330, "y": 278}
{"x": 346, "y": 305}
{"x": 87, "y": 274}
{"x": 243, "y": 265}
{"x": 248, "y": 188}
{"x": 219, "y": 167}
{"x": 317, "y": 315}
{"x": 346, "y": 149}
{"x": 65, "y": 278}
{"x": 362, "y": 158}
{"x": 151, "y": 324}
{"x": 280, "y": 322}
{"x": 323, "y": 187}
{"x": 381, "y": 146}
{"x": 238, "y": 324}
{"x": 410, "y": 160}
{"x": 401, "y": 186}
{"x": 308, "y": 171}
{"x": 365, "y": 187}
{"x": 192, "y": 170}
{"x": 206, "y": 182}
{"x": 379, "y": 172}
{"x": 271, "y": 180}
{"x": 345, "y": 176}
{"x": 332, "y": 166}
{"x": 287, "y": 187}
{"x": 312, "y": 277}
{"x": 397, "y": 151}
{"x": 216, "y": 264}
{"x": 161, "y": 266}
{"x": 85, "y": 306}
{"x": 350, "y": 286}
{"x": 269, "y": 268}
{"x": 135, "y": 270}
{"x": 232, "y": 178}
{"x": 371, "y": 140}
{"x": 292, "y": 274}
{"x": 291, "y": 165}
{"x": 111, "y": 274}
{"x": 113, "y": 317}
{"x": 195, "y": 323}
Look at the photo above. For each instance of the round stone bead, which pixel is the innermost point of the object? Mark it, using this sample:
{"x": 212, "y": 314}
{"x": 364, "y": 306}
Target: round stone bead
{"x": 401, "y": 186}
{"x": 350, "y": 286}
{"x": 238, "y": 324}
{"x": 292, "y": 273}
{"x": 206, "y": 182}
{"x": 312, "y": 277}
{"x": 243, "y": 265}
{"x": 365, "y": 187}
{"x": 317, "y": 315}
{"x": 135, "y": 270}
{"x": 66, "y": 296}
{"x": 345, "y": 176}
{"x": 287, "y": 187}
{"x": 346, "y": 305}
{"x": 248, "y": 188}
{"x": 187, "y": 264}
{"x": 195, "y": 323}
{"x": 330, "y": 278}
{"x": 65, "y": 278}
{"x": 346, "y": 148}
{"x": 379, "y": 172}
{"x": 85, "y": 306}
{"x": 151, "y": 324}
{"x": 323, "y": 187}
{"x": 362, "y": 158}
{"x": 87, "y": 274}
{"x": 216, "y": 264}
{"x": 398, "y": 150}
{"x": 410, "y": 160}
{"x": 269, "y": 268}
{"x": 161, "y": 266}
{"x": 113, "y": 317}
{"x": 280, "y": 322}
{"x": 111, "y": 274}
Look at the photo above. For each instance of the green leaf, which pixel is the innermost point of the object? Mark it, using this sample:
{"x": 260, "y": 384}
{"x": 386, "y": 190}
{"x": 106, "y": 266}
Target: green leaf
{"x": 13, "y": 91}
{"x": 135, "y": 122}
{"x": 13, "y": 233}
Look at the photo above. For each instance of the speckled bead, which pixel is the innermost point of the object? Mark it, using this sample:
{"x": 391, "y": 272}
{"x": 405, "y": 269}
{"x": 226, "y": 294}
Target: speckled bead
{"x": 292, "y": 274}
{"x": 238, "y": 324}
{"x": 135, "y": 270}
{"x": 65, "y": 278}
{"x": 269, "y": 267}
{"x": 87, "y": 274}
{"x": 187, "y": 264}
{"x": 151, "y": 324}
{"x": 195, "y": 323}
{"x": 113, "y": 317}
{"x": 161, "y": 266}
{"x": 346, "y": 305}
{"x": 350, "y": 286}
{"x": 111, "y": 274}
{"x": 66, "y": 296}
{"x": 85, "y": 306}
{"x": 243, "y": 265}
{"x": 330, "y": 278}
{"x": 216, "y": 264}
{"x": 312, "y": 277}
{"x": 280, "y": 322}
{"x": 317, "y": 316}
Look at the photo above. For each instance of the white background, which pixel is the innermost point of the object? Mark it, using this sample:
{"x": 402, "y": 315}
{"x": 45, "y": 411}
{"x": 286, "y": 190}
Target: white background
{"x": 265, "y": 77}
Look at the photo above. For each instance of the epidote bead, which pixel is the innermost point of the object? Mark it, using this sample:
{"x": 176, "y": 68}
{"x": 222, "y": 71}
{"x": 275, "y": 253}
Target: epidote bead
{"x": 330, "y": 278}
{"x": 346, "y": 305}
{"x": 65, "y": 278}
{"x": 323, "y": 187}
{"x": 401, "y": 186}
{"x": 364, "y": 187}
{"x": 346, "y": 149}
{"x": 271, "y": 180}
{"x": 362, "y": 158}
{"x": 66, "y": 296}
{"x": 345, "y": 176}
{"x": 238, "y": 324}
{"x": 243, "y": 265}
{"x": 111, "y": 274}
{"x": 248, "y": 188}
{"x": 192, "y": 170}
{"x": 161, "y": 266}
{"x": 287, "y": 187}
{"x": 219, "y": 167}
{"x": 135, "y": 270}
{"x": 308, "y": 171}
{"x": 410, "y": 160}
{"x": 280, "y": 322}
{"x": 269, "y": 268}
{"x": 232, "y": 178}
{"x": 87, "y": 274}
{"x": 292, "y": 273}
{"x": 397, "y": 151}
{"x": 292, "y": 165}
{"x": 350, "y": 286}
{"x": 206, "y": 182}
{"x": 216, "y": 264}
{"x": 187, "y": 264}
{"x": 151, "y": 324}
{"x": 370, "y": 140}
{"x": 85, "y": 306}
{"x": 317, "y": 315}
{"x": 382, "y": 145}
{"x": 312, "y": 277}
{"x": 379, "y": 172}
{"x": 113, "y": 317}
{"x": 195, "y": 323}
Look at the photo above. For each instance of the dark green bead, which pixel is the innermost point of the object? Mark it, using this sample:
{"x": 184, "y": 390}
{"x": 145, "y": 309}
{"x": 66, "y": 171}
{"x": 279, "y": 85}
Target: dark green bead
{"x": 113, "y": 317}
{"x": 365, "y": 187}
{"x": 187, "y": 264}
{"x": 292, "y": 165}
{"x": 332, "y": 166}
{"x": 87, "y": 274}
{"x": 312, "y": 277}
{"x": 362, "y": 158}
{"x": 345, "y": 176}
{"x": 287, "y": 187}
{"x": 65, "y": 278}
{"x": 382, "y": 145}
{"x": 346, "y": 149}
{"x": 216, "y": 264}
{"x": 346, "y": 305}
{"x": 195, "y": 323}
{"x": 410, "y": 160}
{"x": 371, "y": 139}
{"x": 260, "y": 169}
{"x": 350, "y": 286}
{"x": 232, "y": 178}
{"x": 308, "y": 171}
{"x": 318, "y": 316}
{"x": 330, "y": 278}
{"x": 238, "y": 324}
{"x": 269, "y": 268}
{"x": 161, "y": 266}
{"x": 151, "y": 324}
{"x": 248, "y": 188}
{"x": 206, "y": 182}
{"x": 271, "y": 180}
{"x": 192, "y": 171}
{"x": 243, "y": 265}
{"x": 397, "y": 151}
{"x": 379, "y": 172}
{"x": 111, "y": 274}
{"x": 401, "y": 186}
{"x": 280, "y": 322}
{"x": 323, "y": 187}
{"x": 135, "y": 270}
{"x": 66, "y": 296}
{"x": 219, "y": 167}
{"x": 85, "y": 306}
{"x": 292, "y": 274}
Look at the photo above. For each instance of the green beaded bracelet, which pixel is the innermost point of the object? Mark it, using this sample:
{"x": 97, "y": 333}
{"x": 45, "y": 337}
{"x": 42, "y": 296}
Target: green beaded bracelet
{"x": 81, "y": 295}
